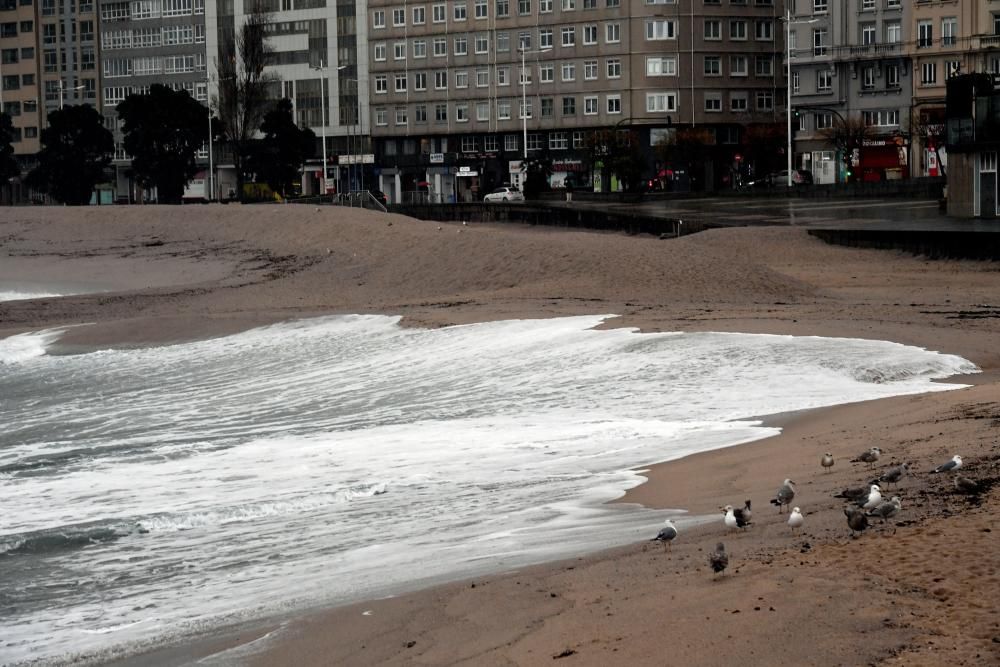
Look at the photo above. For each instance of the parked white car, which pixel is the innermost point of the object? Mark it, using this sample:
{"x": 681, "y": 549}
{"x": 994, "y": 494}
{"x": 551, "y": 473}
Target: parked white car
{"x": 505, "y": 195}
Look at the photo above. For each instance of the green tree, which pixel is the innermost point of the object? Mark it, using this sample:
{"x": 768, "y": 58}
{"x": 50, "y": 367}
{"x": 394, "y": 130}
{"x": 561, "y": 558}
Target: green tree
{"x": 278, "y": 157}
{"x": 620, "y": 153}
{"x": 163, "y": 131}
{"x": 76, "y": 149}
{"x": 536, "y": 180}
{"x": 8, "y": 163}
{"x": 243, "y": 85}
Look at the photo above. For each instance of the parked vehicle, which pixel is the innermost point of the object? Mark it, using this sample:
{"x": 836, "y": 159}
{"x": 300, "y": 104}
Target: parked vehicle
{"x": 504, "y": 194}
{"x": 799, "y": 177}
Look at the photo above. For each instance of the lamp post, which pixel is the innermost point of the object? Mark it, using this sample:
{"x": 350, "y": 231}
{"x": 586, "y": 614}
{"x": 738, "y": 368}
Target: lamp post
{"x": 788, "y": 86}
{"x": 322, "y": 105}
{"x": 524, "y": 96}
{"x": 62, "y": 88}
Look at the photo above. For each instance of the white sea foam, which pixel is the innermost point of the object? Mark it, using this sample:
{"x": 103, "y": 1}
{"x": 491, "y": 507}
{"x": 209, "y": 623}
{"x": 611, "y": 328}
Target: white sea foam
{"x": 20, "y": 348}
{"x": 341, "y": 457}
{"x": 15, "y": 295}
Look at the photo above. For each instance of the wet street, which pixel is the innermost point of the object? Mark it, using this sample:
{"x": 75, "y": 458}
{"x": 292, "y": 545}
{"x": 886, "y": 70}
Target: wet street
{"x": 889, "y": 213}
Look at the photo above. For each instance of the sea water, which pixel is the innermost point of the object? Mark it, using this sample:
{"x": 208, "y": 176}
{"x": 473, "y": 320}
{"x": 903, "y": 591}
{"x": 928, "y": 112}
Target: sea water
{"x": 151, "y": 493}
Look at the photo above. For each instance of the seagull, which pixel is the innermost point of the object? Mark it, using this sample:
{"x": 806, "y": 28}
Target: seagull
{"x": 795, "y": 519}
{"x": 873, "y": 498}
{"x": 886, "y": 509}
{"x": 950, "y": 466}
{"x": 856, "y": 520}
{"x": 893, "y": 475}
{"x": 719, "y": 559}
{"x": 747, "y": 514}
{"x": 869, "y": 457}
{"x": 734, "y": 518}
{"x": 853, "y": 493}
{"x": 666, "y": 535}
{"x": 827, "y": 461}
{"x": 784, "y": 495}
{"x": 966, "y": 485}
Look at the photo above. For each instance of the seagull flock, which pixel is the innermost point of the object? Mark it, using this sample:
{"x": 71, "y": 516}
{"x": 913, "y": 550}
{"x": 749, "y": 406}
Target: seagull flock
{"x": 861, "y": 502}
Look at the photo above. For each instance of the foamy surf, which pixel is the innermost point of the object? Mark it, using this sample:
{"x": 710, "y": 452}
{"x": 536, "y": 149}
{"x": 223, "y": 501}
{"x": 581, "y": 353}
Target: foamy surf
{"x": 161, "y": 489}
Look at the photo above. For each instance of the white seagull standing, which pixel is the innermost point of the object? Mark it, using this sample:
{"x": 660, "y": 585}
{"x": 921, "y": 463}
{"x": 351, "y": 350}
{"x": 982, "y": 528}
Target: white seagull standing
{"x": 950, "y": 466}
{"x": 827, "y": 461}
{"x": 873, "y": 498}
{"x": 666, "y": 535}
{"x": 795, "y": 519}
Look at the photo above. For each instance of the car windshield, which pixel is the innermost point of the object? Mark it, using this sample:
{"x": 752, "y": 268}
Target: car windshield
{"x": 500, "y": 191}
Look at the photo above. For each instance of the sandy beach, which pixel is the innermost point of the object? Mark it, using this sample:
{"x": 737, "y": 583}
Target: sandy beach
{"x": 920, "y": 590}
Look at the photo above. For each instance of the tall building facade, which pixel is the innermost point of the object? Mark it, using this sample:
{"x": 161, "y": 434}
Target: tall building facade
{"x": 19, "y": 69}
{"x": 462, "y": 92}
{"x": 143, "y": 42}
{"x": 320, "y": 64}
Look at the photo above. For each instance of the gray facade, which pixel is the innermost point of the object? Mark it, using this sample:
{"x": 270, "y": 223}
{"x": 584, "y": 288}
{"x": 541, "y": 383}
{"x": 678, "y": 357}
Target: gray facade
{"x": 145, "y": 42}
{"x": 849, "y": 60}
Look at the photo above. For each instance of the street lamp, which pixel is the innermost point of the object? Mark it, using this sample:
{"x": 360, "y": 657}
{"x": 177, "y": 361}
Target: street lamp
{"x": 788, "y": 85}
{"x": 322, "y": 103}
{"x": 524, "y": 96}
{"x": 61, "y": 88}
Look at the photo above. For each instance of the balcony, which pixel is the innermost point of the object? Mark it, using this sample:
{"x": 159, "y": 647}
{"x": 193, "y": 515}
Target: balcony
{"x": 989, "y": 42}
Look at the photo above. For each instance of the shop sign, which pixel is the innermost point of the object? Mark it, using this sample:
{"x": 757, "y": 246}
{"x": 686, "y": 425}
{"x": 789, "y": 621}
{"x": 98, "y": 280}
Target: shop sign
{"x": 568, "y": 165}
{"x": 437, "y": 158}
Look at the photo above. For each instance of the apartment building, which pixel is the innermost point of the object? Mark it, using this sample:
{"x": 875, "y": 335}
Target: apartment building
{"x": 320, "y": 63}
{"x": 145, "y": 42}
{"x": 462, "y": 92}
{"x": 850, "y": 59}
{"x": 19, "y": 88}
{"x": 948, "y": 39}
{"x": 67, "y": 32}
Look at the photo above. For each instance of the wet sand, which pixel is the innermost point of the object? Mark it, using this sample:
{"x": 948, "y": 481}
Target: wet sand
{"x": 921, "y": 590}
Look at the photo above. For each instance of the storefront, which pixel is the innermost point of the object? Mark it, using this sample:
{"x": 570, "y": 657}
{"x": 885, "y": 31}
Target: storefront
{"x": 882, "y": 159}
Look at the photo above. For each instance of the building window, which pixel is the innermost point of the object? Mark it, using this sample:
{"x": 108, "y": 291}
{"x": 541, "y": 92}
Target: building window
{"x": 819, "y": 42}
{"x": 440, "y": 47}
{"x": 558, "y": 141}
{"x": 534, "y": 142}
{"x": 613, "y": 33}
{"x": 713, "y": 102}
{"x": 482, "y": 9}
{"x": 511, "y": 143}
{"x": 590, "y": 70}
{"x": 590, "y": 106}
{"x": 819, "y": 6}
{"x": 868, "y": 78}
{"x": 503, "y": 9}
{"x": 614, "y": 104}
{"x": 419, "y": 15}
{"x": 764, "y": 31}
{"x": 738, "y": 66}
{"x": 661, "y": 102}
{"x": 461, "y": 79}
{"x": 378, "y": 19}
{"x": 614, "y": 68}
{"x": 546, "y": 73}
{"x": 568, "y": 72}
{"x": 438, "y": 13}
{"x": 763, "y": 66}
{"x": 461, "y": 12}
{"x": 949, "y": 29}
{"x": 738, "y": 29}
{"x": 441, "y": 113}
{"x": 661, "y": 66}
{"x": 660, "y": 29}
{"x": 868, "y": 34}
{"x": 893, "y": 33}
{"x": 398, "y": 17}
{"x": 399, "y": 51}
{"x": 503, "y": 109}
{"x": 823, "y": 121}
{"x": 713, "y": 65}
{"x": 824, "y": 80}
{"x": 796, "y": 83}
{"x": 713, "y": 29}
{"x": 928, "y": 74}
{"x": 482, "y": 111}
{"x": 569, "y": 37}
{"x": 545, "y": 38}
{"x": 590, "y": 34}
{"x": 892, "y": 76}
{"x": 469, "y": 144}
{"x": 461, "y": 113}
{"x": 569, "y": 106}
{"x": 491, "y": 143}
{"x": 925, "y": 34}
{"x": 765, "y": 100}
{"x": 400, "y": 81}
{"x": 420, "y": 113}
{"x": 401, "y": 116}
{"x": 738, "y": 102}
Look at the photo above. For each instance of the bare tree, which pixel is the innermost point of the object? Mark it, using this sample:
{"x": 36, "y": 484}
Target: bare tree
{"x": 847, "y": 135}
{"x": 243, "y": 85}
